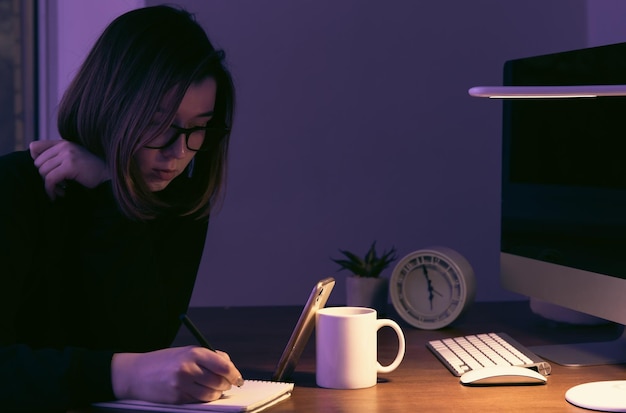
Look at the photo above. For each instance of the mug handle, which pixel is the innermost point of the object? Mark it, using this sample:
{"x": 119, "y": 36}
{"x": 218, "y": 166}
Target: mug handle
{"x": 401, "y": 345}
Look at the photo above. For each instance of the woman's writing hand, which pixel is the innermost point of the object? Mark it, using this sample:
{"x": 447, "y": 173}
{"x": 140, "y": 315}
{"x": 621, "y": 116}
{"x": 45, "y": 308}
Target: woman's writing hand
{"x": 60, "y": 160}
{"x": 174, "y": 375}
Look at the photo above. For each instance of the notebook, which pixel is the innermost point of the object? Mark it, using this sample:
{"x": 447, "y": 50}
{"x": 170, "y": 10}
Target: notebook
{"x": 253, "y": 396}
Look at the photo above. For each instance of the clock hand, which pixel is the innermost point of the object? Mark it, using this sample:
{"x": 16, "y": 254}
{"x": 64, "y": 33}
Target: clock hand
{"x": 431, "y": 290}
{"x": 429, "y": 283}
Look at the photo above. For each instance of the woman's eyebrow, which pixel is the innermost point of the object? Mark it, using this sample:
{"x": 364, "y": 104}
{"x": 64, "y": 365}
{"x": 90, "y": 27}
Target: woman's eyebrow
{"x": 199, "y": 115}
{"x": 205, "y": 114}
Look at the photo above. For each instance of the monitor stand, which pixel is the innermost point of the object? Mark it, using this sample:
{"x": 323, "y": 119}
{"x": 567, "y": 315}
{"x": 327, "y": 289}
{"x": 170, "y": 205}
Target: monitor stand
{"x": 607, "y": 396}
{"x": 585, "y": 354}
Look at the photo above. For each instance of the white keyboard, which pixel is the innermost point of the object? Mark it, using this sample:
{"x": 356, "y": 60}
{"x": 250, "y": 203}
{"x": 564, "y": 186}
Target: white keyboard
{"x": 462, "y": 354}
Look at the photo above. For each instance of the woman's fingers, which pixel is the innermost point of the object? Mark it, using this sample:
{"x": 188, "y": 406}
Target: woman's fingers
{"x": 59, "y": 161}
{"x": 222, "y": 366}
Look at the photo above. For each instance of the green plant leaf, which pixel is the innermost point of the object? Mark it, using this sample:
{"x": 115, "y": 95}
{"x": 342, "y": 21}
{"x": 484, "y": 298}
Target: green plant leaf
{"x": 371, "y": 265}
{"x": 370, "y": 256}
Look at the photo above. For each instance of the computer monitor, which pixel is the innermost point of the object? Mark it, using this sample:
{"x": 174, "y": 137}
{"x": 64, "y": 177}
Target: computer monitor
{"x": 563, "y": 223}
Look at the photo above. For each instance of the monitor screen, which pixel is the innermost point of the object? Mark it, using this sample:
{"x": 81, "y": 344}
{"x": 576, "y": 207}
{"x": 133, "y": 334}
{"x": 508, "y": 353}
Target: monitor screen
{"x": 563, "y": 222}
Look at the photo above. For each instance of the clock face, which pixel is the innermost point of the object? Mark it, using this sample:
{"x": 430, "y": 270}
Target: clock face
{"x": 430, "y": 288}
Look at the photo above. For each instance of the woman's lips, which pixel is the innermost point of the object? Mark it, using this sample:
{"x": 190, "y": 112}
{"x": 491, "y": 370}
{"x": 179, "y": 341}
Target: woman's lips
{"x": 165, "y": 174}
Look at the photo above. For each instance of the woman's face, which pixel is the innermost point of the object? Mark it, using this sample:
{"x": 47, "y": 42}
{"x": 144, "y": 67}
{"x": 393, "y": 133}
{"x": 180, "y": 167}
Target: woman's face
{"x": 159, "y": 167}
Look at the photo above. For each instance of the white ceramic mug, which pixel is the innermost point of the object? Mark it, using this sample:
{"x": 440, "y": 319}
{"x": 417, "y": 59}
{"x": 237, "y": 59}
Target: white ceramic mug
{"x": 347, "y": 348}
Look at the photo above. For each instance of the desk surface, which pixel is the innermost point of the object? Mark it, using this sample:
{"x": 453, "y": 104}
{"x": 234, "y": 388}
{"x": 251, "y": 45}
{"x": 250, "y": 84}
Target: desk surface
{"x": 254, "y": 337}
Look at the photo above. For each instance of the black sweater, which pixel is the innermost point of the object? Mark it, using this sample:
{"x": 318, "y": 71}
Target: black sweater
{"x": 79, "y": 282}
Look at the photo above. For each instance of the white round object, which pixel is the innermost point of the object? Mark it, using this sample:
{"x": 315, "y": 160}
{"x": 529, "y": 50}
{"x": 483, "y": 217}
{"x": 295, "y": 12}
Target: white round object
{"x": 431, "y": 287}
{"x": 606, "y": 396}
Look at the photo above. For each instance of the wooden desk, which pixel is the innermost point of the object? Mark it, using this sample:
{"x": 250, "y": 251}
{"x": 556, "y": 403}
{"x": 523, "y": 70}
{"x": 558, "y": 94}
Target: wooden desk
{"x": 254, "y": 337}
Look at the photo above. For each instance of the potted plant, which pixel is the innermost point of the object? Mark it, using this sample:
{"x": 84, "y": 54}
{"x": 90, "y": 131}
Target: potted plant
{"x": 364, "y": 286}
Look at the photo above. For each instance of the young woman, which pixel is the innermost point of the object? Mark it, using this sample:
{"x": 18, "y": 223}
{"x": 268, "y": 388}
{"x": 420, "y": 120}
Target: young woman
{"x": 102, "y": 231}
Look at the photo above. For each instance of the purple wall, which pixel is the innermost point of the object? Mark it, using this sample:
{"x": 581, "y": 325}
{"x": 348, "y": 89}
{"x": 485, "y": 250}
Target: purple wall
{"x": 354, "y": 124}
{"x": 605, "y": 22}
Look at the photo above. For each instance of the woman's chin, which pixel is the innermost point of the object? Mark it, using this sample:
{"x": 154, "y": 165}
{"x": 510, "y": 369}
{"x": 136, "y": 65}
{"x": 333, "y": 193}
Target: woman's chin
{"x": 156, "y": 186}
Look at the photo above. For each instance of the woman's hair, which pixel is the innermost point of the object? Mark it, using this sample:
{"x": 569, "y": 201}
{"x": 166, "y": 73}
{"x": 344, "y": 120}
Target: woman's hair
{"x": 142, "y": 64}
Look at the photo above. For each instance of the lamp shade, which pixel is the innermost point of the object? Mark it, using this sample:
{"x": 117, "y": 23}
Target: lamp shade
{"x": 542, "y": 92}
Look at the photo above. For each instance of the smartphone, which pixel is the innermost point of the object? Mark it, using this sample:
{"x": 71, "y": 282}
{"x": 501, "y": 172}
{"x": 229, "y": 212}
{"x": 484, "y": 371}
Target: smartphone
{"x": 303, "y": 329}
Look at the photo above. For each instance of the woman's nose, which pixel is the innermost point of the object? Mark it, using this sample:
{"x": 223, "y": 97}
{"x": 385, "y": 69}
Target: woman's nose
{"x": 178, "y": 148}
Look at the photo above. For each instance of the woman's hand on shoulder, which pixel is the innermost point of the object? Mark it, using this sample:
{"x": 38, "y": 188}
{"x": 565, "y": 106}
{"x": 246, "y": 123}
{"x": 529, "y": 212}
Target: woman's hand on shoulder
{"x": 174, "y": 375}
{"x": 59, "y": 161}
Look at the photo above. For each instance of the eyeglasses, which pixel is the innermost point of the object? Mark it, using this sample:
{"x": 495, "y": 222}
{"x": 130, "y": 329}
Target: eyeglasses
{"x": 198, "y": 138}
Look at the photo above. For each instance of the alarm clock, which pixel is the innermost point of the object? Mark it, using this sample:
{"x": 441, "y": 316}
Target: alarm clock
{"x": 432, "y": 287}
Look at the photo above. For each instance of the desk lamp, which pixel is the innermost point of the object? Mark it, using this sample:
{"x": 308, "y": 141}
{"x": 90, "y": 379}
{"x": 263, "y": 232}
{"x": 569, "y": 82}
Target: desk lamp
{"x": 607, "y": 396}
{"x": 545, "y": 92}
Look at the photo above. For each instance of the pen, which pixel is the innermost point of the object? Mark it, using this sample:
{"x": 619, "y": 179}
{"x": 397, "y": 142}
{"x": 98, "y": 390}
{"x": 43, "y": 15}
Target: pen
{"x": 196, "y": 333}
{"x": 203, "y": 341}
